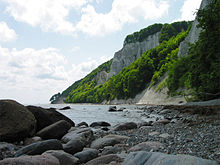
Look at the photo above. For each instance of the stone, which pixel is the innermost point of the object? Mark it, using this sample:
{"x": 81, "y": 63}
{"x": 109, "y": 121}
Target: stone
{"x": 154, "y": 133}
{"x": 55, "y": 131}
{"x": 162, "y": 121}
{"x": 82, "y": 124}
{"x": 31, "y": 160}
{"x": 65, "y": 108}
{"x": 145, "y": 124}
{"x": 100, "y": 124}
{"x": 46, "y": 117}
{"x": 125, "y": 126}
{"x": 118, "y": 148}
{"x": 6, "y": 150}
{"x": 39, "y": 147}
{"x": 16, "y": 122}
{"x": 34, "y": 139}
{"x": 87, "y": 155}
{"x": 156, "y": 158}
{"x": 63, "y": 157}
{"x": 105, "y": 159}
{"x": 147, "y": 146}
{"x": 85, "y": 134}
{"x": 165, "y": 135}
{"x": 112, "y": 109}
{"x": 102, "y": 142}
{"x": 75, "y": 145}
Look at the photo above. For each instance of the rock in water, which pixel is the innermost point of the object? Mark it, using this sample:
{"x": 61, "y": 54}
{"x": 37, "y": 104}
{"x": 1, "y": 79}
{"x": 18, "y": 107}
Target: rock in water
{"x": 125, "y": 126}
{"x": 99, "y": 124}
{"x": 55, "y": 131}
{"x": 65, "y": 108}
{"x": 40, "y": 147}
{"x": 16, "y": 122}
{"x": 156, "y": 158}
{"x": 46, "y": 117}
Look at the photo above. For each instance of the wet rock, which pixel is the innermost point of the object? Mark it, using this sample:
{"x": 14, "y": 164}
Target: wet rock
{"x": 87, "y": 155}
{"x": 39, "y": 147}
{"x": 105, "y": 129}
{"x": 75, "y": 145}
{"x": 106, "y": 159}
{"x": 46, "y": 117}
{"x": 55, "y": 131}
{"x": 147, "y": 146}
{"x": 100, "y": 124}
{"x": 118, "y": 148}
{"x": 16, "y": 122}
{"x": 85, "y": 134}
{"x": 65, "y": 108}
{"x": 6, "y": 150}
{"x": 63, "y": 157}
{"x": 82, "y": 124}
{"x": 31, "y": 160}
{"x": 155, "y": 158}
{"x": 34, "y": 139}
{"x": 125, "y": 126}
{"x": 112, "y": 109}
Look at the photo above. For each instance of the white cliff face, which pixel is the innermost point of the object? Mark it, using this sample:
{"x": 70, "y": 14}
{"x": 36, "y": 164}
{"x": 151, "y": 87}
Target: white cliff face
{"x": 193, "y": 35}
{"x": 131, "y": 52}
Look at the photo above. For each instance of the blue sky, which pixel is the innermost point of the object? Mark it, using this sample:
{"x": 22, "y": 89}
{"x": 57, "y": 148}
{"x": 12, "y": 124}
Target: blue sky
{"x": 46, "y": 45}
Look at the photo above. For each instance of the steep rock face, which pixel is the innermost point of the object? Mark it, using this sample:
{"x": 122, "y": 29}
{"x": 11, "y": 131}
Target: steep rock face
{"x": 101, "y": 77}
{"x": 131, "y": 52}
{"x": 193, "y": 34}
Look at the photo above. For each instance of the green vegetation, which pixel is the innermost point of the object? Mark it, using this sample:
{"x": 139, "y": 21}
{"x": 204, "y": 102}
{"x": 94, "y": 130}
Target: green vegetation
{"x": 200, "y": 70}
{"x": 132, "y": 79}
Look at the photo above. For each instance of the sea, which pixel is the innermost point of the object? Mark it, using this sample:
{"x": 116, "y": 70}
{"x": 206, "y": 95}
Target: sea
{"x": 90, "y": 113}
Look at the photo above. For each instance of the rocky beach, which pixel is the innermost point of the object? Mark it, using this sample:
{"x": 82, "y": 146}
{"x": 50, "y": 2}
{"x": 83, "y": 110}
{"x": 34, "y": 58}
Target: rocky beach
{"x": 173, "y": 134}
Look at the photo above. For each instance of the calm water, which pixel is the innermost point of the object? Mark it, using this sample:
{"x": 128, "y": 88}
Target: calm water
{"x": 92, "y": 113}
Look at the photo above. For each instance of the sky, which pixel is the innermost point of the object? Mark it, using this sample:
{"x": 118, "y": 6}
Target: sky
{"x": 46, "y": 45}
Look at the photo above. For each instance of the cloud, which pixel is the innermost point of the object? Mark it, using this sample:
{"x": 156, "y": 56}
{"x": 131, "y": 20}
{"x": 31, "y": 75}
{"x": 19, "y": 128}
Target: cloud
{"x": 55, "y": 15}
{"x": 33, "y": 76}
{"x": 49, "y": 15}
{"x": 189, "y": 9}
{"x": 75, "y": 49}
{"x": 7, "y": 34}
{"x": 122, "y": 12}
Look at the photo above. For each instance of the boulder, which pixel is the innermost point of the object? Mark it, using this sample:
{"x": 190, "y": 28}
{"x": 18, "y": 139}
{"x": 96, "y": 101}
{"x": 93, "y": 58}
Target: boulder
{"x": 147, "y": 146}
{"x": 75, "y": 145}
{"x": 63, "y": 157}
{"x": 109, "y": 140}
{"x": 85, "y": 134}
{"x": 112, "y": 109}
{"x": 31, "y": 160}
{"x": 125, "y": 126}
{"x": 46, "y": 117}
{"x": 149, "y": 123}
{"x": 156, "y": 158}
{"x": 65, "y": 108}
{"x": 16, "y": 122}
{"x": 82, "y": 124}
{"x": 6, "y": 150}
{"x": 100, "y": 124}
{"x": 105, "y": 159}
{"x": 40, "y": 147}
{"x": 55, "y": 131}
{"x": 162, "y": 121}
{"x": 116, "y": 149}
{"x": 87, "y": 155}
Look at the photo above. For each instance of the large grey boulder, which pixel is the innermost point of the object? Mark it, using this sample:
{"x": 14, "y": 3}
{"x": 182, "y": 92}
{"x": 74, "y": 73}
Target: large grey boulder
{"x": 99, "y": 124}
{"x": 46, "y": 117}
{"x": 63, "y": 157}
{"x": 85, "y": 134}
{"x": 55, "y": 131}
{"x": 40, "y": 147}
{"x": 87, "y": 155}
{"x": 75, "y": 145}
{"x": 156, "y": 158}
{"x": 16, "y": 122}
{"x": 31, "y": 160}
